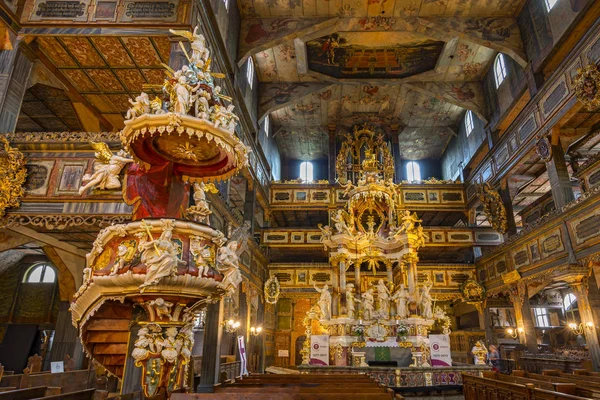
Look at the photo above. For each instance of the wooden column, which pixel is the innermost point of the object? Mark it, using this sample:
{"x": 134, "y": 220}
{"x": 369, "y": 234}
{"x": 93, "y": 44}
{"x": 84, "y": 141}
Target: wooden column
{"x": 15, "y": 68}
{"x": 396, "y": 155}
{"x": 249, "y": 207}
{"x": 507, "y": 202}
{"x": 534, "y": 80}
{"x": 486, "y": 318}
{"x": 580, "y": 289}
{"x": 209, "y": 371}
{"x": 560, "y": 182}
{"x": 357, "y": 278}
{"x": 522, "y": 308}
{"x": 332, "y": 153}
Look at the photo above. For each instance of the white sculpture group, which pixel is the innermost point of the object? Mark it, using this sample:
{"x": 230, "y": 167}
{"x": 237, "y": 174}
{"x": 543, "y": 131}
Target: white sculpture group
{"x": 382, "y": 297}
{"x": 190, "y": 89}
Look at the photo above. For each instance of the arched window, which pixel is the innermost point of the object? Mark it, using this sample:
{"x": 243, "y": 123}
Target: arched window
{"x": 250, "y": 72}
{"x": 40, "y": 273}
{"x": 306, "y": 171}
{"x": 550, "y": 4}
{"x": 499, "y": 69}
{"x": 569, "y": 301}
{"x": 413, "y": 171}
{"x": 469, "y": 122}
{"x": 267, "y": 126}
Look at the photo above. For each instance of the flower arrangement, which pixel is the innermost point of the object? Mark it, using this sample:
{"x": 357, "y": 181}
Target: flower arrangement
{"x": 402, "y": 332}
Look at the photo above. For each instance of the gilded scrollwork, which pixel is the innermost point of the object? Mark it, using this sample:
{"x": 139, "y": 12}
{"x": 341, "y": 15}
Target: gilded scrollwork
{"x": 493, "y": 207}
{"x": 12, "y": 176}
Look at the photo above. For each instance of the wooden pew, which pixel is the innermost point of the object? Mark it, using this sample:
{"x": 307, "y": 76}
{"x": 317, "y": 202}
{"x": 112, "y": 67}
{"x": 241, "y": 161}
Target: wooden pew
{"x": 586, "y": 387}
{"x": 24, "y": 394}
{"x": 478, "y": 388}
{"x": 88, "y": 394}
{"x": 560, "y": 387}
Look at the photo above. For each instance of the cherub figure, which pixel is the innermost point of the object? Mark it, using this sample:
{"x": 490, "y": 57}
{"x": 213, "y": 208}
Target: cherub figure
{"x": 408, "y": 222}
{"x": 325, "y": 233}
{"x": 106, "y": 169}
{"x": 139, "y": 106}
{"x": 200, "y": 253}
{"x": 340, "y": 222}
{"x": 162, "y": 308}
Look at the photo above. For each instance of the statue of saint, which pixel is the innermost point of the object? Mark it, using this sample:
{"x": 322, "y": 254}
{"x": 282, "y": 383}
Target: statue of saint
{"x": 324, "y": 302}
{"x": 426, "y": 302}
{"x": 350, "y": 306}
{"x": 383, "y": 299}
{"x": 401, "y": 298}
{"x": 228, "y": 265}
{"x": 368, "y": 303}
{"x": 160, "y": 257}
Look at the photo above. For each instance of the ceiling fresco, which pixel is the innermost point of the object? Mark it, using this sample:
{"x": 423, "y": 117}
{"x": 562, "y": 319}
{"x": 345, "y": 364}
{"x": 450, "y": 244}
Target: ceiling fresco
{"x": 412, "y": 68}
{"x": 338, "y": 56}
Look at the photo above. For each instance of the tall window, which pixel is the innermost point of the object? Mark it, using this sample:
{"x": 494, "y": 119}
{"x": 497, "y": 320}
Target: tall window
{"x": 469, "y": 122}
{"x": 541, "y": 317}
{"x": 40, "y": 273}
{"x": 570, "y": 307}
{"x": 226, "y": 3}
{"x": 499, "y": 69}
{"x": 550, "y": 4}
{"x": 250, "y": 72}
{"x": 267, "y": 126}
{"x": 413, "y": 171}
{"x": 306, "y": 171}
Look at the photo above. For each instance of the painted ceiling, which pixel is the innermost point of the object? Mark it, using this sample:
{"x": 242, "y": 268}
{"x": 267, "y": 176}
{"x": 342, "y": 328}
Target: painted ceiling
{"x": 410, "y": 67}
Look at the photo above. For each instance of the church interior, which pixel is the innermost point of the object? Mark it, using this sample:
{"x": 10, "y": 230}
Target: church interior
{"x": 299, "y": 199}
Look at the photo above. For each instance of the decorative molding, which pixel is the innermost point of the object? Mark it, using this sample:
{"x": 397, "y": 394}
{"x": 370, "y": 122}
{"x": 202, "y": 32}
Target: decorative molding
{"x": 12, "y": 176}
{"x": 80, "y": 137}
{"x": 60, "y": 222}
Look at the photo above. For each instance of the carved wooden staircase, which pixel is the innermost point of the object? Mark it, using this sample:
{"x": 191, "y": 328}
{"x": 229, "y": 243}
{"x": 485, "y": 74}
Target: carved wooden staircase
{"x": 106, "y": 336}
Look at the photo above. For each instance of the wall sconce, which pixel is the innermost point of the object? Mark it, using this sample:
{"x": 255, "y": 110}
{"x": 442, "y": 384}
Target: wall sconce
{"x": 514, "y": 333}
{"x": 578, "y": 329}
{"x": 230, "y": 326}
{"x": 255, "y": 330}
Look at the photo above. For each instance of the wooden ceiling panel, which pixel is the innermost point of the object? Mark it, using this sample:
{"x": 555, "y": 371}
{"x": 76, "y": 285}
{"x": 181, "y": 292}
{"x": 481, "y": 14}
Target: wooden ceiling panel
{"x": 113, "y": 51}
{"x": 83, "y": 51}
{"x": 105, "y": 80}
{"x": 131, "y": 78}
{"x": 143, "y": 51}
{"x": 80, "y": 80}
{"x": 56, "y": 52}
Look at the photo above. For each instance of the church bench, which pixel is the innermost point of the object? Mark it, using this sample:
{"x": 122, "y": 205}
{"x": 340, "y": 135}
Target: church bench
{"x": 585, "y": 387}
{"x": 280, "y": 396}
{"x": 478, "y": 388}
{"x": 300, "y": 389}
{"x": 88, "y": 394}
{"x": 24, "y": 394}
{"x": 561, "y": 387}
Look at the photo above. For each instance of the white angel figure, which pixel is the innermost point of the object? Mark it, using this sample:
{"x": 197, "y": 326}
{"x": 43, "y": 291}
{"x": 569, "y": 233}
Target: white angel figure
{"x": 106, "y": 169}
{"x": 228, "y": 265}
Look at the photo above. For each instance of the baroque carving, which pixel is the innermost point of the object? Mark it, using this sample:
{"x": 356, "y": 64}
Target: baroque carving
{"x": 587, "y": 86}
{"x": 106, "y": 169}
{"x": 493, "y": 207}
{"x": 12, "y": 176}
{"x": 272, "y": 290}
{"x": 60, "y": 222}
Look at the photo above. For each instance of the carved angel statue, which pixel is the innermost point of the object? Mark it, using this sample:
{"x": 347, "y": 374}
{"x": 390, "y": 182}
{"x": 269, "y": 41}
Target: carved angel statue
{"x": 408, "y": 222}
{"x": 348, "y": 187}
{"x": 324, "y": 301}
{"x": 400, "y": 297}
{"x": 200, "y": 53}
{"x": 368, "y": 303}
{"x": 350, "y": 306}
{"x": 340, "y": 222}
{"x": 383, "y": 299}
{"x": 420, "y": 237}
{"x": 426, "y": 302}
{"x": 139, "y": 106}
{"x": 201, "y": 107}
{"x": 162, "y": 308}
{"x": 224, "y": 117}
{"x": 106, "y": 169}
{"x": 160, "y": 257}
{"x": 181, "y": 93}
{"x": 228, "y": 265}
{"x": 325, "y": 233}
{"x": 122, "y": 251}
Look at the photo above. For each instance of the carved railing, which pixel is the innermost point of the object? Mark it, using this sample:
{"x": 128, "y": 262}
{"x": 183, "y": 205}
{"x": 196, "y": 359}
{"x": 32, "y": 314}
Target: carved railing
{"x": 442, "y": 195}
{"x": 557, "y": 241}
{"x": 434, "y": 236}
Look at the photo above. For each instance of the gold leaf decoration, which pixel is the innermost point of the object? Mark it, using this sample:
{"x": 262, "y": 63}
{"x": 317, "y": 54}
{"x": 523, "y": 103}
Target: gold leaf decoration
{"x": 12, "y": 176}
{"x": 587, "y": 86}
{"x": 493, "y": 207}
